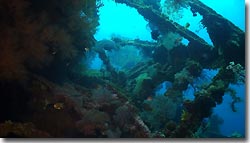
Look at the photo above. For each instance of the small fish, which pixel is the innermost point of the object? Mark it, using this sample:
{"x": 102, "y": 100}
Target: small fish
{"x": 115, "y": 96}
{"x": 82, "y": 14}
{"x": 53, "y": 53}
{"x": 86, "y": 49}
{"x": 58, "y": 105}
{"x": 187, "y": 25}
{"x": 150, "y": 98}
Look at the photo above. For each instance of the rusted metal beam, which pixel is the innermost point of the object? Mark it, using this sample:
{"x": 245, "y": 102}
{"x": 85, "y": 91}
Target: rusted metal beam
{"x": 226, "y": 37}
{"x": 164, "y": 24}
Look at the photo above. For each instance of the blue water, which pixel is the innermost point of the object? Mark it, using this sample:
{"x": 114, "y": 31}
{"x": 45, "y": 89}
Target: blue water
{"x": 205, "y": 78}
{"x": 162, "y": 88}
{"x": 233, "y": 121}
{"x": 121, "y": 20}
{"x": 96, "y": 63}
{"x": 233, "y": 10}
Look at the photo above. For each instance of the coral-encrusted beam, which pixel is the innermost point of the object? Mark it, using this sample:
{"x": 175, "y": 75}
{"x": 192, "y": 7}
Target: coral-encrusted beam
{"x": 164, "y": 24}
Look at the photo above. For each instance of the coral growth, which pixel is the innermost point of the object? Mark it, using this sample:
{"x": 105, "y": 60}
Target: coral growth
{"x": 47, "y": 92}
{"x": 130, "y": 123}
{"x": 162, "y": 109}
{"x": 124, "y": 115}
{"x": 174, "y": 8}
{"x": 94, "y": 123}
{"x": 38, "y": 34}
{"x": 142, "y": 82}
{"x": 182, "y": 79}
{"x": 185, "y": 115}
{"x": 170, "y": 40}
{"x": 238, "y": 72}
{"x": 21, "y": 130}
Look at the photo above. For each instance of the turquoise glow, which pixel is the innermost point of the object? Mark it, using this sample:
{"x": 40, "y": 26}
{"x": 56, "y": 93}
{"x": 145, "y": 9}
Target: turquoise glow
{"x": 121, "y": 20}
{"x": 233, "y": 10}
